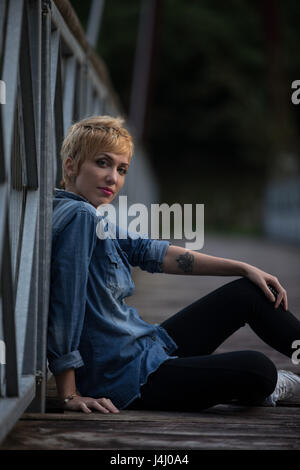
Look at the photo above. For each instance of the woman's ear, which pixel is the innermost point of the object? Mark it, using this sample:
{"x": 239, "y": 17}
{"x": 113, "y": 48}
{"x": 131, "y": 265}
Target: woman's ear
{"x": 69, "y": 166}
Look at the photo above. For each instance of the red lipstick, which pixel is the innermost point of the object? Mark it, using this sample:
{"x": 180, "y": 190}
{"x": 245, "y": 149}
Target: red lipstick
{"x": 107, "y": 191}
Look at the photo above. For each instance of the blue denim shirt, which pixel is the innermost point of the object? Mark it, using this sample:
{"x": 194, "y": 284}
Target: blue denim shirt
{"x": 90, "y": 326}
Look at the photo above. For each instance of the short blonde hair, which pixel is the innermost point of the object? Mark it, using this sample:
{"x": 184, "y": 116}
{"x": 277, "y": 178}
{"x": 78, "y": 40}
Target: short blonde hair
{"x": 88, "y": 137}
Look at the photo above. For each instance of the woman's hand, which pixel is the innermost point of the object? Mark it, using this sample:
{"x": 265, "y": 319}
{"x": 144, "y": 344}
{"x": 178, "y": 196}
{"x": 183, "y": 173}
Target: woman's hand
{"x": 86, "y": 404}
{"x": 262, "y": 279}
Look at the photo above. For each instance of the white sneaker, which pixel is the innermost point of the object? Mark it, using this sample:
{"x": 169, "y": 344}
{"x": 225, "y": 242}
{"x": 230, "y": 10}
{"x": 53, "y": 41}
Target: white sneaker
{"x": 287, "y": 389}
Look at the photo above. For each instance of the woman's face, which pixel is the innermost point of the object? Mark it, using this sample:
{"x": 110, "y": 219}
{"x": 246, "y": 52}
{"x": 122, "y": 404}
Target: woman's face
{"x": 101, "y": 178}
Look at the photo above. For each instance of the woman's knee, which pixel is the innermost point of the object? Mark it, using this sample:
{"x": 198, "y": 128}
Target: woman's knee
{"x": 245, "y": 293}
{"x": 242, "y": 291}
{"x": 245, "y": 286}
{"x": 260, "y": 370}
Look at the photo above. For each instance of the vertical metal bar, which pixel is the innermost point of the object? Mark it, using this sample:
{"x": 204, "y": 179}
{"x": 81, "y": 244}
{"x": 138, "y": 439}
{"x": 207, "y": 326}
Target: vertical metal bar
{"x": 10, "y": 76}
{"x": 82, "y": 91}
{"x": 56, "y": 102}
{"x": 69, "y": 92}
{"x": 106, "y": 105}
{"x": 3, "y": 14}
{"x": 2, "y": 353}
{"x": 76, "y": 104}
{"x": 27, "y": 105}
{"x": 101, "y": 102}
{"x": 89, "y": 97}
{"x": 2, "y": 158}
{"x": 8, "y": 306}
{"x": 95, "y": 16}
{"x": 3, "y": 196}
{"x": 3, "y": 6}
{"x": 45, "y": 210}
{"x": 59, "y": 122}
{"x": 10, "y": 72}
{"x": 16, "y": 192}
{"x": 34, "y": 28}
{"x": 97, "y": 105}
{"x": 35, "y": 38}
{"x": 55, "y": 49}
{"x": 25, "y": 273}
{"x": 142, "y": 66}
{"x": 19, "y": 169}
{"x": 29, "y": 358}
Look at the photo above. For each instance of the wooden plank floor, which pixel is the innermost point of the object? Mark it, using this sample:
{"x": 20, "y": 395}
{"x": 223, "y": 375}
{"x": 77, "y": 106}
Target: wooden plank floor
{"x": 221, "y": 427}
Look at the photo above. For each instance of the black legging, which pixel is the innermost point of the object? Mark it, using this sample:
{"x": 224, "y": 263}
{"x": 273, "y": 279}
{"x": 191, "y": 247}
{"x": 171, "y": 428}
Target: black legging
{"x": 198, "y": 379}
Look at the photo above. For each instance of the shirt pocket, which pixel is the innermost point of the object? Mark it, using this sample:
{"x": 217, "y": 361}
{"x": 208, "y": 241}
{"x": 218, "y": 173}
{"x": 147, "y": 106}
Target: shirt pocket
{"x": 117, "y": 277}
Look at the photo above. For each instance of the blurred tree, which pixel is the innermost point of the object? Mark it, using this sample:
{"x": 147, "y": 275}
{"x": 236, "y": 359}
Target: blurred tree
{"x": 210, "y": 134}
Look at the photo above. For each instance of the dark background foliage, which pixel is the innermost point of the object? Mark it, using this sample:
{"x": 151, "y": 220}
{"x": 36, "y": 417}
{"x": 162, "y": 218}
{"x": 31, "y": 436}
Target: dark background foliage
{"x": 220, "y": 122}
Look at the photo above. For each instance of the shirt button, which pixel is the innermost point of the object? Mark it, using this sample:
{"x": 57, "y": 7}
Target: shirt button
{"x": 153, "y": 337}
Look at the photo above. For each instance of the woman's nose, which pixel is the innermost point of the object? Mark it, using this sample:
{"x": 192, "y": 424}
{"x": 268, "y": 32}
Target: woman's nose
{"x": 112, "y": 176}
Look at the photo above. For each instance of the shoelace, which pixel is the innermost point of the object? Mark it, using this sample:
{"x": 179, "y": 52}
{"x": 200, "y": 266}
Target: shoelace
{"x": 281, "y": 391}
{"x": 284, "y": 388}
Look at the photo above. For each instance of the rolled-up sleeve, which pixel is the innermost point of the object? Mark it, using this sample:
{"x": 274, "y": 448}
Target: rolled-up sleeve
{"x": 144, "y": 252}
{"x": 72, "y": 250}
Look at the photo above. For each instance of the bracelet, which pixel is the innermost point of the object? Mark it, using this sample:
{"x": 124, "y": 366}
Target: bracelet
{"x": 69, "y": 397}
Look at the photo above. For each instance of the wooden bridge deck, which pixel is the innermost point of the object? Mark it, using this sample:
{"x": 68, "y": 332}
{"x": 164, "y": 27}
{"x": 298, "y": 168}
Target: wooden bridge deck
{"x": 221, "y": 427}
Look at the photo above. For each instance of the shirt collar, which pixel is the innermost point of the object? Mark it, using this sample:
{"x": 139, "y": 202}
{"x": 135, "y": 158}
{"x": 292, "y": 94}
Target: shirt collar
{"x": 63, "y": 194}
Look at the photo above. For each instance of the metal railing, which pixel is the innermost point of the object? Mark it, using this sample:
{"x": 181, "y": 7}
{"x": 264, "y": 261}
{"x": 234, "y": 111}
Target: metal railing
{"x": 281, "y": 214}
{"x": 52, "y": 80}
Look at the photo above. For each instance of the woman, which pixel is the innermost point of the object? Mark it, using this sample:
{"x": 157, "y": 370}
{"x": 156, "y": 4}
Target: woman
{"x": 103, "y": 355}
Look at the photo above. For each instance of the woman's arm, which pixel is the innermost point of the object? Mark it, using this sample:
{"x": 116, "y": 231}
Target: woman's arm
{"x": 65, "y": 384}
{"x": 72, "y": 249}
{"x": 178, "y": 260}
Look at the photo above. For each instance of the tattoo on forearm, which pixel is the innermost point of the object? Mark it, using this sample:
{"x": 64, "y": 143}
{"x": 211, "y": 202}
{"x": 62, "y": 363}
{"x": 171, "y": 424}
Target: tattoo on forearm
{"x": 186, "y": 262}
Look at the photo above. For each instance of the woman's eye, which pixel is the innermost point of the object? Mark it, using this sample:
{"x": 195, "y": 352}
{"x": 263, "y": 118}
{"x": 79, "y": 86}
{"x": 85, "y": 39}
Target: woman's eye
{"x": 101, "y": 162}
{"x": 104, "y": 163}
